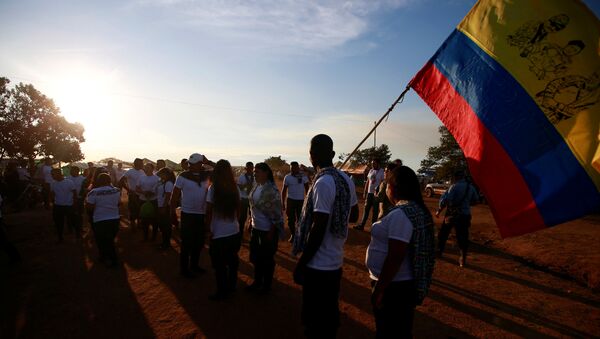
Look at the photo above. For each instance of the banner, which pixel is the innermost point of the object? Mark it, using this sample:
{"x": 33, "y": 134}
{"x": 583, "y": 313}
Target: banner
{"x": 517, "y": 84}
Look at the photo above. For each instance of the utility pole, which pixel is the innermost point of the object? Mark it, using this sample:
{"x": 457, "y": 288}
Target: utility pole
{"x": 375, "y": 135}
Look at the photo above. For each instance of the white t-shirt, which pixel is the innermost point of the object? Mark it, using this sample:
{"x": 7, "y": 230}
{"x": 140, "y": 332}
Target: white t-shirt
{"x": 395, "y": 225}
{"x": 243, "y": 180}
{"x": 63, "y": 192}
{"x": 148, "y": 185}
{"x": 295, "y": 185}
{"x": 133, "y": 176}
{"x": 330, "y": 256}
{"x": 161, "y": 190}
{"x": 106, "y": 203}
{"x": 375, "y": 178}
{"x": 193, "y": 196}
{"x": 221, "y": 227}
{"x": 47, "y": 174}
{"x": 120, "y": 173}
{"x": 260, "y": 221}
{"x": 77, "y": 181}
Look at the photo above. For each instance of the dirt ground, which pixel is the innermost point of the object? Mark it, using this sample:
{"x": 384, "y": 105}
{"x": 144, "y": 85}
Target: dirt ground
{"x": 510, "y": 288}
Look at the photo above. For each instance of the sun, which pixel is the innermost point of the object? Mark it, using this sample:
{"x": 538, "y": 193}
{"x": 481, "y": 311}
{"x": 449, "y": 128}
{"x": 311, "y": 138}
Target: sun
{"x": 85, "y": 95}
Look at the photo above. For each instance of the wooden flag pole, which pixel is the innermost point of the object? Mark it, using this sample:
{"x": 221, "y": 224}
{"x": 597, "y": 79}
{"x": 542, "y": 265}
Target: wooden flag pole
{"x": 400, "y": 98}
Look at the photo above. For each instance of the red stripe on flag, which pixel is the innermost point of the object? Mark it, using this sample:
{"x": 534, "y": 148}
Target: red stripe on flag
{"x": 505, "y": 189}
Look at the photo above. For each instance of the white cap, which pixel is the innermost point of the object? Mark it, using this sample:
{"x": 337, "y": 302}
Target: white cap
{"x": 195, "y": 158}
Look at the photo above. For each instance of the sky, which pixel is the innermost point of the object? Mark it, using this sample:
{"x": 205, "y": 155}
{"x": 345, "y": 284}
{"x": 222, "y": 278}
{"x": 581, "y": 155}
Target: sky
{"x": 236, "y": 80}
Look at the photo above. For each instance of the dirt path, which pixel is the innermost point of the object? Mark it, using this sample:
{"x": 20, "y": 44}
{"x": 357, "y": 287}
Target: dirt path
{"x": 60, "y": 291}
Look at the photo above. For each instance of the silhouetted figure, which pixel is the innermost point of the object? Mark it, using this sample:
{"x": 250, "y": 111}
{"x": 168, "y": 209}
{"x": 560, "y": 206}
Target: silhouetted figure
{"x": 222, "y": 207}
{"x": 245, "y": 184}
{"x": 102, "y": 204}
{"x": 267, "y": 227}
{"x": 322, "y": 231}
{"x": 457, "y": 201}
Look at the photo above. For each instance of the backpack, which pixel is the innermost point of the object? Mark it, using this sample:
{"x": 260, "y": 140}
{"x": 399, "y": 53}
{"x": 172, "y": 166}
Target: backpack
{"x": 422, "y": 248}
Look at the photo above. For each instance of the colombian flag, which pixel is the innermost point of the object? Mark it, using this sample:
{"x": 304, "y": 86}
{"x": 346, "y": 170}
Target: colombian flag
{"x": 518, "y": 85}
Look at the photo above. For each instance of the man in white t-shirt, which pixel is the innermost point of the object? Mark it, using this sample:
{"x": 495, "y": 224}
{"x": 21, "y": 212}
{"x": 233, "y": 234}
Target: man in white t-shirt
{"x": 46, "y": 179}
{"x": 146, "y": 189}
{"x": 119, "y": 171}
{"x": 129, "y": 181}
{"x": 245, "y": 183}
{"x": 190, "y": 189}
{"x": 112, "y": 172}
{"x": 374, "y": 178}
{"x": 319, "y": 269}
{"x": 63, "y": 195}
{"x": 78, "y": 182}
{"x": 295, "y": 185}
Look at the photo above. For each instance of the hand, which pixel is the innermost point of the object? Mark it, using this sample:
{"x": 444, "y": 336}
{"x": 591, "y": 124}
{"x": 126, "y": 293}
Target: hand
{"x": 377, "y": 298}
{"x": 299, "y": 274}
{"x": 437, "y": 213}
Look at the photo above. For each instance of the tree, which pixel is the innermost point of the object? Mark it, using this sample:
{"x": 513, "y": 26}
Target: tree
{"x": 31, "y": 126}
{"x": 444, "y": 159}
{"x": 364, "y": 156}
{"x": 276, "y": 163}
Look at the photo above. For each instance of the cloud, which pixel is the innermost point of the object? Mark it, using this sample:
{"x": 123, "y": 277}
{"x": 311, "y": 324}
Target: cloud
{"x": 293, "y": 26}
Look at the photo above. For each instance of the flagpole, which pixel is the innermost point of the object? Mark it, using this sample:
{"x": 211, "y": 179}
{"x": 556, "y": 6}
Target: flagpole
{"x": 400, "y": 98}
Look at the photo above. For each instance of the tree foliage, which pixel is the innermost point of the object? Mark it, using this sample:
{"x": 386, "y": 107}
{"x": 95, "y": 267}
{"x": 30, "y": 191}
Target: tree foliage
{"x": 444, "y": 159}
{"x": 276, "y": 163}
{"x": 364, "y": 156}
{"x": 31, "y": 126}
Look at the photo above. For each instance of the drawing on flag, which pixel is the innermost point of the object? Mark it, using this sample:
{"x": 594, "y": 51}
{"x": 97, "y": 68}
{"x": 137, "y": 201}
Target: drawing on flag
{"x": 517, "y": 85}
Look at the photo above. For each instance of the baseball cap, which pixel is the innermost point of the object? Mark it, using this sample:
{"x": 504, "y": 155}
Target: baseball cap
{"x": 195, "y": 158}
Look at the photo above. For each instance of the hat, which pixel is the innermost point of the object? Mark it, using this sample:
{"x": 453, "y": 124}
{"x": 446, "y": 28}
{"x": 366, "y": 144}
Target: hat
{"x": 195, "y": 158}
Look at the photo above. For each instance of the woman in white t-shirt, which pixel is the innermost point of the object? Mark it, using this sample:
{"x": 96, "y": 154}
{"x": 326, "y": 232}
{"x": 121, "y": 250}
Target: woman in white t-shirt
{"x": 267, "y": 227}
{"x": 163, "y": 198}
{"x": 391, "y": 254}
{"x": 222, "y": 209}
{"x": 146, "y": 190}
{"x": 102, "y": 203}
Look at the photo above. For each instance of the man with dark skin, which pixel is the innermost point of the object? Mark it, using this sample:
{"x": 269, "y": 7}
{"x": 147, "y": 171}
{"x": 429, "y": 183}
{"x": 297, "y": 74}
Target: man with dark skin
{"x": 129, "y": 182}
{"x": 160, "y": 163}
{"x": 190, "y": 190}
{"x": 295, "y": 186}
{"x": 319, "y": 268}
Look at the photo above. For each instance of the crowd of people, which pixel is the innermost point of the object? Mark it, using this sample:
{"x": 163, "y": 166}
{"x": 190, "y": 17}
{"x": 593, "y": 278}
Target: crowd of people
{"x": 214, "y": 207}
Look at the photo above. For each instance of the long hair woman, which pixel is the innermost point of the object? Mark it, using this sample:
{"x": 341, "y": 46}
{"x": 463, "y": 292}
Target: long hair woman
{"x": 163, "y": 195}
{"x": 400, "y": 257}
{"x": 102, "y": 204}
{"x": 222, "y": 210}
{"x": 267, "y": 227}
